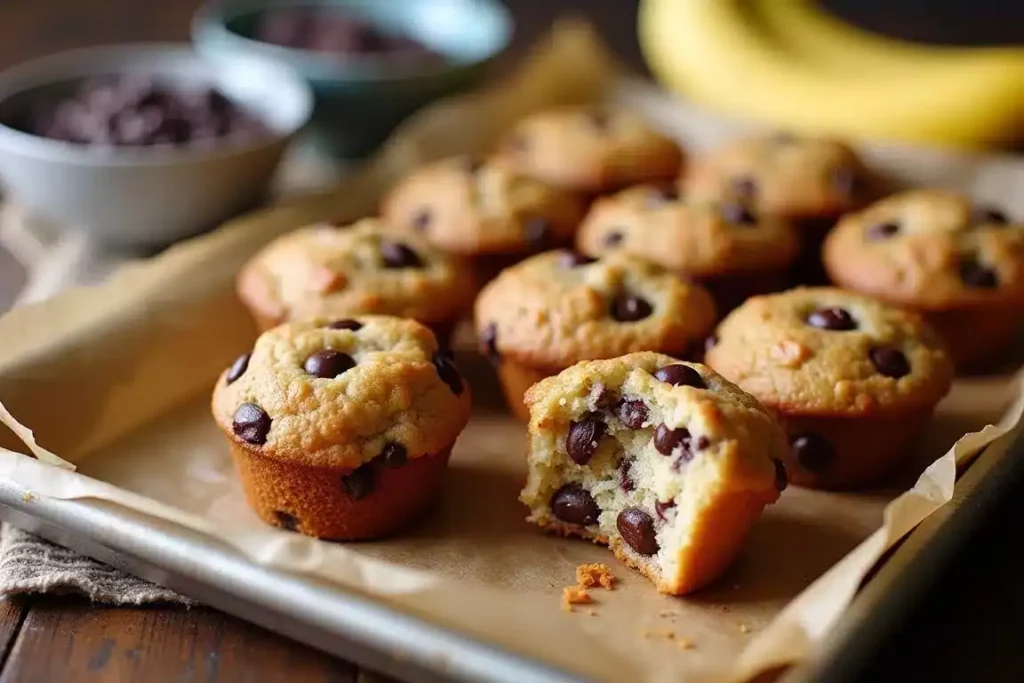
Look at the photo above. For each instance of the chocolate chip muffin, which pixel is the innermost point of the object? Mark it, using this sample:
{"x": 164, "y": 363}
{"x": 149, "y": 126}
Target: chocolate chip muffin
{"x": 666, "y": 462}
{"x": 591, "y": 149}
{"x": 558, "y": 308}
{"x": 346, "y": 270}
{"x": 723, "y": 244}
{"x": 960, "y": 264}
{"x": 852, "y": 379}
{"x": 483, "y": 210}
{"x": 807, "y": 180}
{"x": 341, "y": 429}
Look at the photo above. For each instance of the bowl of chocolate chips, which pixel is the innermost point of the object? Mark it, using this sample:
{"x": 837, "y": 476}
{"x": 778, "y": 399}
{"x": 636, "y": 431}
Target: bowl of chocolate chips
{"x": 371, "y": 63}
{"x": 144, "y": 145}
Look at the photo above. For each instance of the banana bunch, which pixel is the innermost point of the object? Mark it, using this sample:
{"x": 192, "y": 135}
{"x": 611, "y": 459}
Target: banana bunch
{"x": 787, "y": 63}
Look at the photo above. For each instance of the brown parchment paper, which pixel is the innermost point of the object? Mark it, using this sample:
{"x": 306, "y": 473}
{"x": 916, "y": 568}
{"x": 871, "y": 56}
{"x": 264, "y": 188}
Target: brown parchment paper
{"x": 115, "y": 380}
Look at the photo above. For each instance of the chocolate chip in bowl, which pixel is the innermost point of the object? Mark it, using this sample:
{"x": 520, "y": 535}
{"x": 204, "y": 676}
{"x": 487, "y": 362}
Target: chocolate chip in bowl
{"x": 139, "y": 146}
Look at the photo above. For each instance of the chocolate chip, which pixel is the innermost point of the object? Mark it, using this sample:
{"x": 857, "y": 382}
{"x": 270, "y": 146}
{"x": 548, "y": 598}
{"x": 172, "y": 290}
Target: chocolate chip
{"x": 251, "y": 424}
{"x": 990, "y": 216}
{"x": 583, "y": 438}
{"x": 421, "y": 219}
{"x": 832, "y": 318}
{"x": 738, "y": 214}
{"x": 574, "y": 505}
{"x": 976, "y": 275}
{"x": 238, "y": 368}
{"x": 781, "y": 479}
{"x": 572, "y": 259}
{"x": 889, "y": 361}
{"x": 632, "y": 412}
{"x": 710, "y": 342}
{"x": 630, "y": 308}
{"x": 661, "y": 508}
{"x": 359, "y": 482}
{"x": 536, "y": 231}
{"x": 286, "y": 521}
{"x": 625, "y": 480}
{"x": 680, "y": 375}
{"x": 667, "y": 440}
{"x": 613, "y": 239}
{"x": 394, "y": 455}
{"x": 489, "y": 338}
{"x": 601, "y": 395}
{"x": 328, "y": 364}
{"x": 398, "y": 255}
{"x": 447, "y": 371}
{"x": 347, "y": 324}
{"x": 880, "y": 231}
{"x": 812, "y": 451}
{"x": 637, "y": 529}
{"x": 744, "y": 186}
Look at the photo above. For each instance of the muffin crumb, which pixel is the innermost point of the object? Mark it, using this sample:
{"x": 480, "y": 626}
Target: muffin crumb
{"x": 574, "y": 595}
{"x": 597, "y": 574}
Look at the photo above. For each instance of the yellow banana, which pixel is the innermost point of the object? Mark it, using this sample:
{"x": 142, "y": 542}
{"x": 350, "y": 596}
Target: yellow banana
{"x": 717, "y": 52}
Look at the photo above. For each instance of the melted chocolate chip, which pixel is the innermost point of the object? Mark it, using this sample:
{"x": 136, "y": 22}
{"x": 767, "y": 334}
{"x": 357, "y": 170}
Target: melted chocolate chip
{"x": 881, "y": 231}
{"x": 832, "y": 318}
{"x": 238, "y": 368}
{"x": 398, "y": 255}
{"x": 328, "y": 364}
{"x": 667, "y": 440}
{"x": 738, "y": 214}
{"x": 613, "y": 239}
{"x": 976, "y": 275}
{"x": 781, "y": 479}
{"x": 990, "y": 216}
{"x": 661, "y": 508}
{"x": 637, "y": 529}
{"x": 812, "y": 451}
{"x": 251, "y": 423}
{"x": 359, "y": 482}
{"x": 572, "y": 259}
{"x": 421, "y": 219}
{"x": 632, "y": 412}
{"x": 583, "y": 438}
{"x": 889, "y": 361}
{"x": 680, "y": 375}
{"x": 394, "y": 455}
{"x": 536, "y": 231}
{"x": 574, "y": 505}
{"x": 744, "y": 186}
{"x": 447, "y": 371}
{"x": 625, "y": 480}
{"x": 630, "y": 308}
{"x": 489, "y": 338}
{"x": 286, "y": 521}
{"x": 347, "y": 324}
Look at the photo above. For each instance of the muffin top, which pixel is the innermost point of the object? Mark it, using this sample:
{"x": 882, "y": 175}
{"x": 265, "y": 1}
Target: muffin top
{"x": 472, "y": 206}
{"x": 338, "y": 393}
{"x": 825, "y": 352}
{"x": 560, "y": 307}
{"x": 930, "y": 249}
{"x": 591, "y": 149}
{"x": 700, "y": 237}
{"x": 783, "y": 174}
{"x": 330, "y": 270}
{"x": 684, "y": 410}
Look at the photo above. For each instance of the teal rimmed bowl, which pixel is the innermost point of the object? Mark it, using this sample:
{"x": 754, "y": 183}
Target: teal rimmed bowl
{"x": 360, "y": 100}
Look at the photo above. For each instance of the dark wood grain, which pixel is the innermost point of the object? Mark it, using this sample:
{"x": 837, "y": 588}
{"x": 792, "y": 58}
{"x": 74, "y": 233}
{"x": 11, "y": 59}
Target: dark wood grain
{"x": 73, "y": 641}
{"x": 12, "y": 614}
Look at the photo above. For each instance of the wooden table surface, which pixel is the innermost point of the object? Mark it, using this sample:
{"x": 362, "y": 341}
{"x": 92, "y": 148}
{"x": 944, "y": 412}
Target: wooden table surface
{"x": 62, "y": 639}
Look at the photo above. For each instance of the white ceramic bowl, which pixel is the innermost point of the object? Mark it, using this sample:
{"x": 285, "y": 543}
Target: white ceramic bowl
{"x": 147, "y": 197}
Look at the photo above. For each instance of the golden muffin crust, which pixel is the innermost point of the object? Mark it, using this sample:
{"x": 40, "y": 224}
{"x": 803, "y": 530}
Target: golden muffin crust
{"x": 332, "y": 393}
{"x": 795, "y": 177}
{"x": 471, "y": 206}
{"x": 826, "y": 352}
{"x": 666, "y": 461}
{"x": 930, "y": 249}
{"x": 702, "y": 237}
{"x": 560, "y": 307}
{"x": 328, "y": 270}
{"x": 591, "y": 149}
